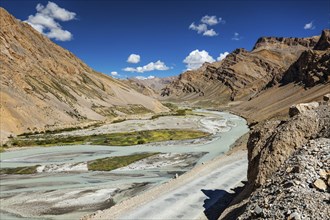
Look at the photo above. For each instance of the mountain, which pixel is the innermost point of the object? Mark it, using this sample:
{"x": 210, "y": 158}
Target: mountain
{"x": 242, "y": 74}
{"x": 150, "y": 86}
{"x": 44, "y": 86}
{"x": 306, "y": 80}
{"x": 261, "y": 83}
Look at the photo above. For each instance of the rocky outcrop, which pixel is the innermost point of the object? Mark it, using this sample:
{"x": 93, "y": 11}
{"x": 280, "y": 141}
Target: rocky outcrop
{"x": 324, "y": 42}
{"x": 299, "y": 189}
{"x": 45, "y": 86}
{"x": 273, "y": 142}
{"x": 313, "y": 66}
{"x": 302, "y": 108}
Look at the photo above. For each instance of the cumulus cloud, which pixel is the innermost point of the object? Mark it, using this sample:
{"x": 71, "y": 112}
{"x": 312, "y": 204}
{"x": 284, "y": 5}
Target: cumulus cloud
{"x": 144, "y": 78}
{"x": 309, "y": 26}
{"x": 211, "y": 20}
{"x": 206, "y": 21}
{"x": 236, "y": 36}
{"x": 114, "y": 73}
{"x": 159, "y": 65}
{"x": 59, "y": 34}
{"x": 55, "y": 12}
{"x": 210, "y": 33}
{"x": 201, "y": 28}
{"x": 44, "y": 21}
{"x": 222, "y": 56}
{"x": 133, "y": 58}
{"x": 196, "y": 59}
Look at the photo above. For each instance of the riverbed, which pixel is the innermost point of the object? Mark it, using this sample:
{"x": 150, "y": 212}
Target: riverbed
{"x": 69, "y": 194}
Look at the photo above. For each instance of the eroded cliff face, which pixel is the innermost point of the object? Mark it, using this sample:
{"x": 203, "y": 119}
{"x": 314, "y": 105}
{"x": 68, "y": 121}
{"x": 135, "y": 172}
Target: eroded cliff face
{"x": 45, "y": 86}
{"x": 272, "y": 143}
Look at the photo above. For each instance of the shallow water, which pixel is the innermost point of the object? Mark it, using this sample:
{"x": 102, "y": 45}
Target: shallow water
{"x": 13, "y": 188}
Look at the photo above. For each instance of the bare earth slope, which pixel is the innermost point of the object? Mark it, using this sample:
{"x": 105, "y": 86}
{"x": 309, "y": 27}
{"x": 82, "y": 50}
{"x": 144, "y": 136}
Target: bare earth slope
{"x": 43, "y": 84}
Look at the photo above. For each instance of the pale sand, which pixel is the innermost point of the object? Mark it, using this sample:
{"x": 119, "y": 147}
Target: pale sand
{"x": 224, "y": 172}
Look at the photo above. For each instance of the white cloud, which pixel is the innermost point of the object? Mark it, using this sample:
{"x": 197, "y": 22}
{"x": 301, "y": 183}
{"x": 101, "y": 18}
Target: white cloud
{"x": 133, "y": 58}
{"x": 211, "y": 20}
{"x": 159, "y": 65}
{"x": 114, "y": 73}
{"x": 44, "y": 21}
{"x": 206, "y": 21}
{"x": 201, "y": 28}
{"x": 144, "y": 78}
{"x": 236, "y": 36}
{"x": 210, "y": 33}
{"x": 222, "y": 56}
{"x": 59, "y": 34}
{"x": 40, "y": 28}
{"x": 309, "y": 26}
{"x": 196, "y": 59}
{"x": 55, "y": 12}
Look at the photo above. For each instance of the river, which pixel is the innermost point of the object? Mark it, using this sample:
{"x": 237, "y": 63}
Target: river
{"x": 69, "y": 195}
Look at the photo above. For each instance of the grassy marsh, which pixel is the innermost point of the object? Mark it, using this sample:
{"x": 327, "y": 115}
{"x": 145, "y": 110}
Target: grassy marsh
{"x": 111, "y": 163}
{"x": 103, "y": 164}
{"x": 19, "y": 170}
{"x": 111, "y": 139}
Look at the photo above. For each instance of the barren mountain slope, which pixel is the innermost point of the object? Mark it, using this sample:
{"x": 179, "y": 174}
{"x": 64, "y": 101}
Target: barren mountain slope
{"x": 306, "y": 80}
{"x": 43, "y": 84}
{"x": 242, "y": 74}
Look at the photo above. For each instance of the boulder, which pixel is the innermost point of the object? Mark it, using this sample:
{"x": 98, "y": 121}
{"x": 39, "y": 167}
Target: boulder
{"x": 320, "y": 185}
{"x": 302, "y": 108}
{"x": 326, "y": 97}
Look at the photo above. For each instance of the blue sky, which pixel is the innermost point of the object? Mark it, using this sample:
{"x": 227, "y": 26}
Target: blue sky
{"x": 167, "y": 37}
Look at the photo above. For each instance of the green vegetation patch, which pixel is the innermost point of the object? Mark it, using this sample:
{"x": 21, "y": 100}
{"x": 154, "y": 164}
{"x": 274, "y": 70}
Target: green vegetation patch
{"x": 112, "y": 139}
{"x": 111, "y": 163}
{"x": 2, "y": 149}
{"x": 171, "y": 106}
{"x": 177, "y": 112}
{"x": 19, "y": 170}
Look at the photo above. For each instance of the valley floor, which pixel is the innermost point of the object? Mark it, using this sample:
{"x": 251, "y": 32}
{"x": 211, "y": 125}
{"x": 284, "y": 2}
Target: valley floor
{"x": 61, "y": 191}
